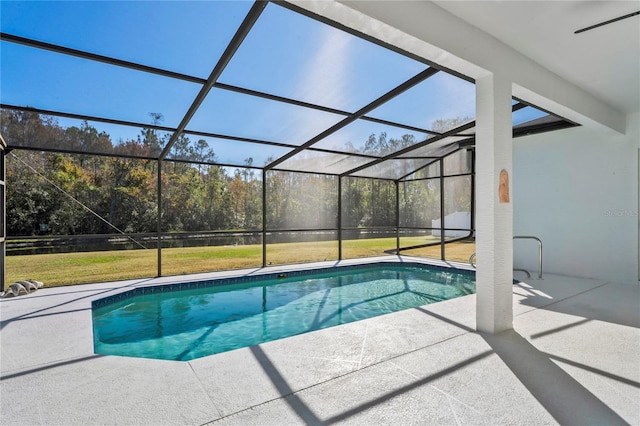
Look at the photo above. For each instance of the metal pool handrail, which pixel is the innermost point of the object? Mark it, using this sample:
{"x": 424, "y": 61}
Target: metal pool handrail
{"x": 530, "y": 237}
{"x": 473, "y": 256}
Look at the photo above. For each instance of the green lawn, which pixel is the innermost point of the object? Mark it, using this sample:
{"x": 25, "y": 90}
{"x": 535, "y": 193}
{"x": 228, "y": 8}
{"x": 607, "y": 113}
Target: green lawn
{"x": 87, "y": 267}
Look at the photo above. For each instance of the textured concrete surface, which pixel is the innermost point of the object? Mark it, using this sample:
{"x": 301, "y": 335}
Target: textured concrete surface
{"x": 572, "y": 358}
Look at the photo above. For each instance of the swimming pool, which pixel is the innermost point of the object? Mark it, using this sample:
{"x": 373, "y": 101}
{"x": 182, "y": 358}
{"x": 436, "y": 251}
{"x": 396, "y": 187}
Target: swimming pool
{"x": 191, "y": 320}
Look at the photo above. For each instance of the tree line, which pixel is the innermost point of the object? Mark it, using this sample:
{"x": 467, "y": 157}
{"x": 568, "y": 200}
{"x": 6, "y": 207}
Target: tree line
{"x": 51, "y": 193}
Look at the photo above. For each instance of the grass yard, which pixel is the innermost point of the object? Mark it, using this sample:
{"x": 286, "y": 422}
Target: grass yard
{"x": 458, "y": 251}
{"x": 88, "y": 267}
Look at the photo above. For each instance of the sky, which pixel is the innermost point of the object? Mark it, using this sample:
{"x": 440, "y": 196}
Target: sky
{"x": 285, "y": 54}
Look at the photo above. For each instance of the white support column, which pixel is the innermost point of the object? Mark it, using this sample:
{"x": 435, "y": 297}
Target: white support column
{"x": 494, "y": 216}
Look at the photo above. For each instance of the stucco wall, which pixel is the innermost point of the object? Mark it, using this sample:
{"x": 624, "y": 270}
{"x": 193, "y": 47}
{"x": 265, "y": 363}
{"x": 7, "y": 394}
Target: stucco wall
{"x": 577, "y": 189}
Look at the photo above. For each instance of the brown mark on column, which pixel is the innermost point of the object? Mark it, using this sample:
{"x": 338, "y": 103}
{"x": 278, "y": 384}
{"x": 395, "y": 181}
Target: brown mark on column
{"x": 503, "y": 190}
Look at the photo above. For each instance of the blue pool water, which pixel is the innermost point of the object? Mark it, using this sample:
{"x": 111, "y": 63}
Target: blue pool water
{"x": 191, "y": 320}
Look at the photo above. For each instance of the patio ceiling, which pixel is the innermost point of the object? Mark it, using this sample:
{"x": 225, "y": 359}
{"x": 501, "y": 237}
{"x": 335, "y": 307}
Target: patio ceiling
{"x": 266, "y": 85}
{"x": 603, "y": 60}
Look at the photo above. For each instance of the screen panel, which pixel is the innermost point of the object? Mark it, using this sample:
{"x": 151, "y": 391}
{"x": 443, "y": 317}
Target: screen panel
{"x": 526, "y": 114}
{"x": 420, "y": 203}
{"x": 315, "y": 62}
{"x": 458, "y": 162}
{"x": 301, "y": 201}
{"x": 439, "y": 103}
{"x": 323, "y": 162}
{"x": 185, "y": 37}
{"x": 79, "y": 86}
{"x": 393, "y": 168}
{"x": 366, "y": 137}
{"x": 234, "y": 114}
{"x": 192, "y": 147}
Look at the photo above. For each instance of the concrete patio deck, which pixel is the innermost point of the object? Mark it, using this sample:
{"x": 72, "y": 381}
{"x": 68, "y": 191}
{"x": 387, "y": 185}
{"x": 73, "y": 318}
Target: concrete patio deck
{"x": 572, "y": 358}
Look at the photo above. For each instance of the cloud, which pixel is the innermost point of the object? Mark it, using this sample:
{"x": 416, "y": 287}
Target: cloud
{"x": 325, "y": 76}
{"x": 323, "y": 81}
